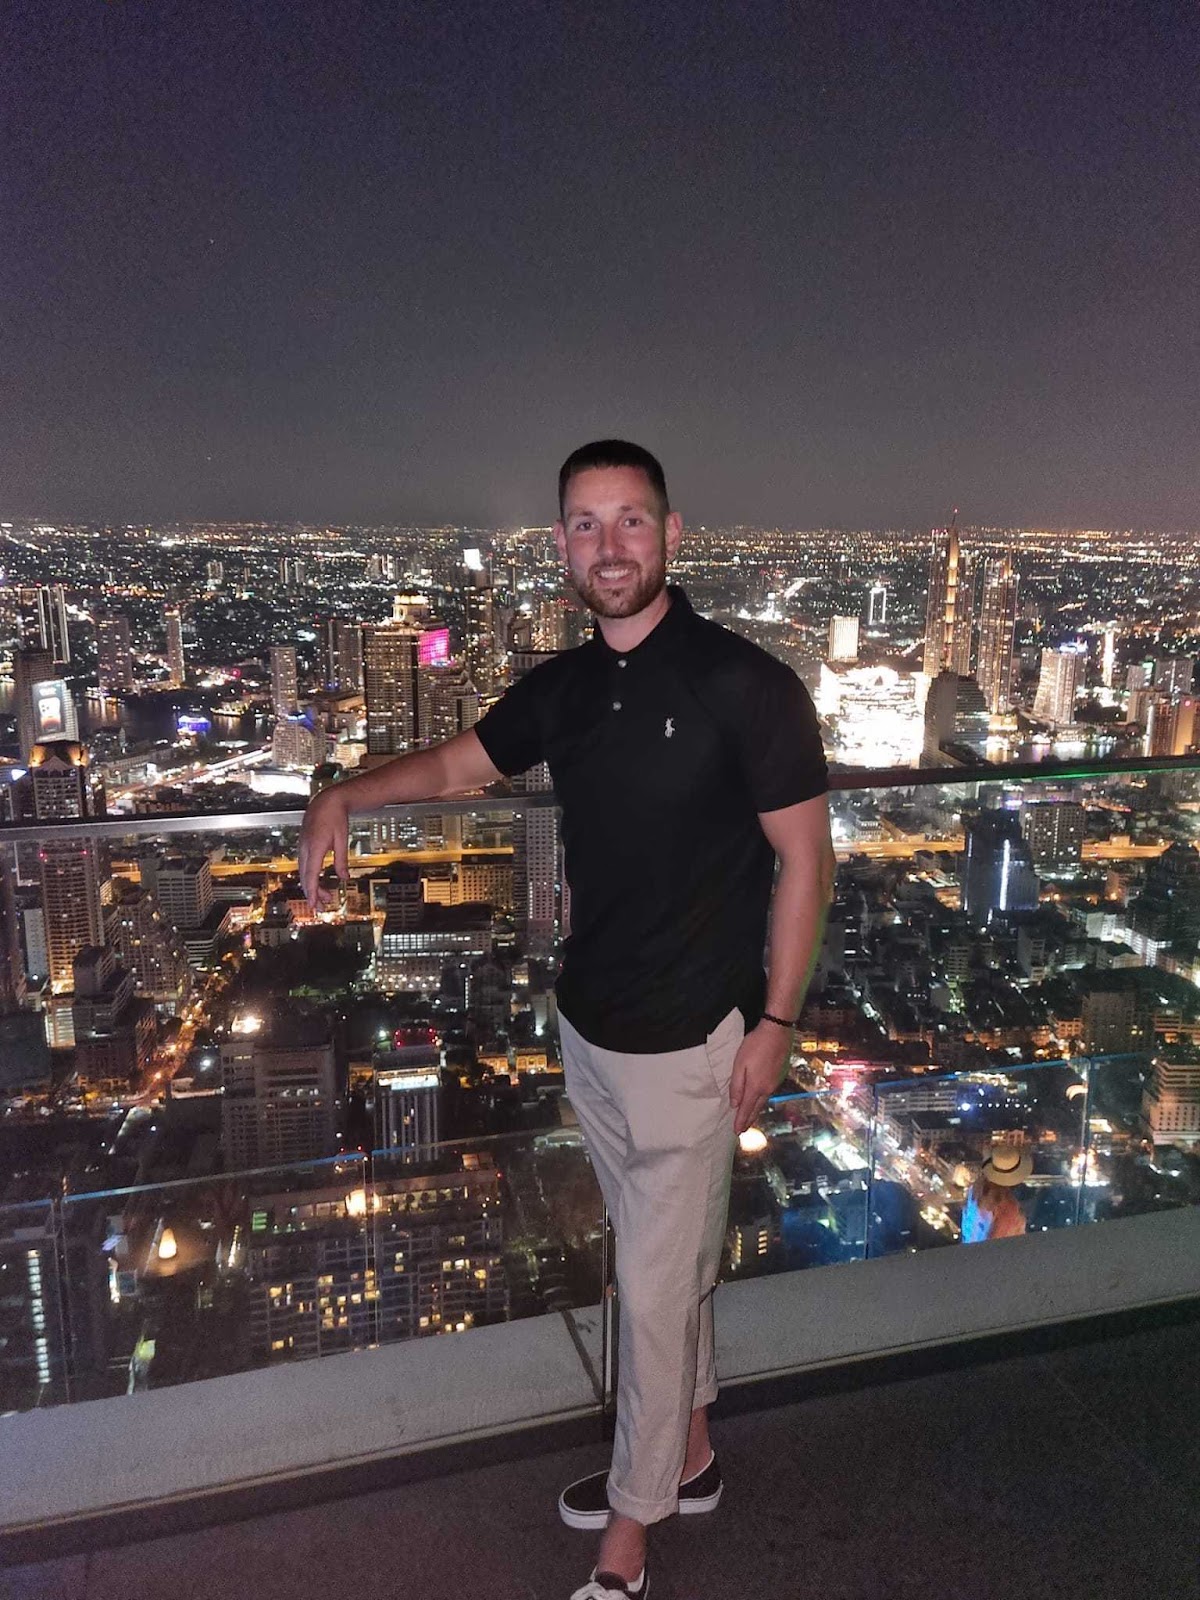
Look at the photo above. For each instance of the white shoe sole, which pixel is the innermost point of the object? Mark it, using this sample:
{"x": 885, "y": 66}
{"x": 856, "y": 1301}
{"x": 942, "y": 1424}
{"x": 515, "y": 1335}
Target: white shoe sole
{"x": 597, "y": 1521}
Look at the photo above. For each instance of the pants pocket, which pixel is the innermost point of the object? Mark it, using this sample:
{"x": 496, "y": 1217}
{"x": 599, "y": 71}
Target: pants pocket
{"x": 722, "y": 1046}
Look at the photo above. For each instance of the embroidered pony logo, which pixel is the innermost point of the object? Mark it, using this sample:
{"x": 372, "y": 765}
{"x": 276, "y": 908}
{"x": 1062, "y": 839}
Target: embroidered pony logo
{"x": 669, "y": 730}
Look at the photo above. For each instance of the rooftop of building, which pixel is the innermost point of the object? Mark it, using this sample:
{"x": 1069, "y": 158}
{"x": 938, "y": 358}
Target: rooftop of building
{"x": 1065, "y": 1472}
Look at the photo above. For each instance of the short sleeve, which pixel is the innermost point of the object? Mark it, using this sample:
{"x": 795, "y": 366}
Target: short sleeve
{"x": 511, "y": 732}
{"x": 779, "y": 739}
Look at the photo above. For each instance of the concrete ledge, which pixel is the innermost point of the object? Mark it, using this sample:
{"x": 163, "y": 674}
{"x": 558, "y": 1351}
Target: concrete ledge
{"x": 110, "y": 1455}
{"x": 805, "y": 1320}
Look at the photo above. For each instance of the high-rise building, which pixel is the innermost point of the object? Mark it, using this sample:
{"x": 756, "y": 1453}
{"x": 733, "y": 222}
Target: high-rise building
{"x": 843, "y": 639}
{"x": 148, "y": 946}
{"x": 343, "y": 656}
{"x": 1171, "y": 1099}
{"x": 1171, "y": 724}
{"x": 70, "y": 868}
{"x": 950, "y": 616}
{"x": 997, "y": 624}
{"x": 42, "y": 621}
{"x": 1054, "y": 700}
{"x": 291, "y": 571}
{"x": 62, "y": 783}
{"x": 397, "y": 656}
{"x": 1108, "y": 658}
{"x": 183, "y": 886}
{"x": 453, "y": 701}
{"x": 45, "y": 710}
{"x": 114, "y": 1036}
{"x": 1054, "y": 830}
{"x": 280, "y": 1100}
{"x": 1138, "y": 676}
{"x": 285, "y": 681}
{"x": 114, "y": 654}
{"x": 956, "y": 717}
{"x": 408, "y": 1090}
{"x": 13, "y": 973}
{"x": 214, "y": 573}
{"x": 997, "y": 872}
{"x": 479, "y": 626}
{"x": 176, "y": 663}
{"x": 877, "y": 599}
{"x": 1174, "y": 674}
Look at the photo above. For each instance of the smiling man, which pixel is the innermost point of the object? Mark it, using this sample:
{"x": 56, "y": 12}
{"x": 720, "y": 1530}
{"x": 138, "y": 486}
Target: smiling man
{"x": 687, "y": 763}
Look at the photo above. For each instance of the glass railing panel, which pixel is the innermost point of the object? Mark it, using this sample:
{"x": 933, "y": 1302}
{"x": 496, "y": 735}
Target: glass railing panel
{"x": 479, "y": 1231}
{"x": 1143, "y": 1132}
{"x": 964, "y": 1157}
{"x": 798, "y": 1196}
{"x": 170, "y": 1283}
{"x": 33, "y": 1353}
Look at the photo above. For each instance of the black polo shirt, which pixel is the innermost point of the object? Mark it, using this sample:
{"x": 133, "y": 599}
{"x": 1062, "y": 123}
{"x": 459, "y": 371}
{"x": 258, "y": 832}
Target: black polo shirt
{"x": 662, "y": 758}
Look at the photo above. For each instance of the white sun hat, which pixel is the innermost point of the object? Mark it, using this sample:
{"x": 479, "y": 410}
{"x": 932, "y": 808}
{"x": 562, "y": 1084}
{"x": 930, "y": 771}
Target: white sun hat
{"x": 1007, "y": 1165}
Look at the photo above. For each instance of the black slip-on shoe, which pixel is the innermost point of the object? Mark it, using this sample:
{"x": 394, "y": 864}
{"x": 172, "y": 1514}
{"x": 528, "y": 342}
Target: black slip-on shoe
{"x": 584, "y": 1503}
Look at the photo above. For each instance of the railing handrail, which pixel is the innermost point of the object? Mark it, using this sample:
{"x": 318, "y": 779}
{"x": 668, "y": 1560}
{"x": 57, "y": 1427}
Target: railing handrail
{"x": 841, "y": 780}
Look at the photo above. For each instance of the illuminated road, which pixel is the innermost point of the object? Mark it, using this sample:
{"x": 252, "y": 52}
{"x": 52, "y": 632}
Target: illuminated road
{"x": 286, "y": 865}
{"x": 905, "y": 849}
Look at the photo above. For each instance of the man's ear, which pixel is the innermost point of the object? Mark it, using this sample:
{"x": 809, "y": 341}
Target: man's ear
{"x": 560, "y": 539}
{"x": 673, "y": 533}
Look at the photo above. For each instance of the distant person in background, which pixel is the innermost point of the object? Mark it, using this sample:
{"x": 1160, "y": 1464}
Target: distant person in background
{"x": 992, "y": 1209}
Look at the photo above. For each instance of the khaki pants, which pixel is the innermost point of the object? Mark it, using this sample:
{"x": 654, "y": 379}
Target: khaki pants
{"x": 659, "y": 1130}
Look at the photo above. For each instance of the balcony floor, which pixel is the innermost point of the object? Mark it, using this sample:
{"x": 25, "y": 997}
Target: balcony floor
{"x": 1071, "y": 1475}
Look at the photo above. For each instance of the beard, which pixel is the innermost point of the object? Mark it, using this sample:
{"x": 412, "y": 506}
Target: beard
{"x": 645, "y": 584}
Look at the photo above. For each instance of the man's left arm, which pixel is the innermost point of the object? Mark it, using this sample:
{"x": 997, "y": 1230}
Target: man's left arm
{"x": 800, "y": 837}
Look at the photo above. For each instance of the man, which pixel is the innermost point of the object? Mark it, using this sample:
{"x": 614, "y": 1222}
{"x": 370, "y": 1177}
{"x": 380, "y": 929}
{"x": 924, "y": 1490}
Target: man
{"x": 686, "y": 761}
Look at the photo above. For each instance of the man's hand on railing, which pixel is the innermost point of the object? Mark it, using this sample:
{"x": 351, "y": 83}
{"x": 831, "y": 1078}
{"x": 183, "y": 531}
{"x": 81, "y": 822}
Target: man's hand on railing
{"x": 326, "y": 827}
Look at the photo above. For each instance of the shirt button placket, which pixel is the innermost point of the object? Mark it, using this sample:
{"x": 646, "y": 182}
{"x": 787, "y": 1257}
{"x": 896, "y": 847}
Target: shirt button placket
{"x": 621, "y": 662}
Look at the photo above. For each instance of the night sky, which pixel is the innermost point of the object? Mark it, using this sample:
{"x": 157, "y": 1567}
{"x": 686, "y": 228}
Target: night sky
{"x": 838, "y": 264}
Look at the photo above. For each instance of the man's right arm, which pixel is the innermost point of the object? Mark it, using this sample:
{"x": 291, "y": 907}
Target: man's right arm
{"x": 455, "y": 767}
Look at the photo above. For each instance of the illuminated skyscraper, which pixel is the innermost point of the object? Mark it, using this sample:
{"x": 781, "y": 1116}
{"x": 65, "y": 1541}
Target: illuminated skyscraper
{"x": 997, "y": 623}
{"x": 843, "y": 639}
{"x": 408, "y": 1091}
{"x": 176, "y": 664}
{"x": 479, "y": 623}
{"x": 1171, "y": 724}
{"x": 42, "y": 621}
{"x": 70, "y": 868}
{"x": 997, "y": 870}
{"x": 1108, "y": 658}
{"x": 1174, "y": 674}
{"x": 1054, "y": 701}
{"x": 285, "y": 692}
{"x": 280, "y": 1100}
{"x": 949, "y": 616}
{"x": 45, "y": 710}
{"x": 956, "y": 718}
{"x": 877, "y": 606}
{"x": 1054, "y": 830}
{"x": 343, "y": 656}
{"x": 396, "y": 658}
{"x": 114, "y": 654}
{"x": 453, "y": 701}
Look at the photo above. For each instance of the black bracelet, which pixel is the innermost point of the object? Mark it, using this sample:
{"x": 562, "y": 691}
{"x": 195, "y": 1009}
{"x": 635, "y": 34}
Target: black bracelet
{"x": 782, "y": 1022}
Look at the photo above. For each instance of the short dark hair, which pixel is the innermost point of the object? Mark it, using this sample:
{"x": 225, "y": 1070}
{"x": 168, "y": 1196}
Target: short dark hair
{"x": 613, "y": 453}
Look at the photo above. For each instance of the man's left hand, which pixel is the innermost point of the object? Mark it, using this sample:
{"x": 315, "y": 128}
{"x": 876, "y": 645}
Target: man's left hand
{"x": 758, "y": 1069}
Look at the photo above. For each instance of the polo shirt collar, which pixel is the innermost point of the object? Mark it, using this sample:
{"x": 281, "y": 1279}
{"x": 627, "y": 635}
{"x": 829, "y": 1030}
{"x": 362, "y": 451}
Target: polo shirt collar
{"x": 661, "y": 638}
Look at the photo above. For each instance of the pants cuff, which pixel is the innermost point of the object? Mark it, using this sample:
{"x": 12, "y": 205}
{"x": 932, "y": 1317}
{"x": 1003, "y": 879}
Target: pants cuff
{"x": 644, "y": 1511}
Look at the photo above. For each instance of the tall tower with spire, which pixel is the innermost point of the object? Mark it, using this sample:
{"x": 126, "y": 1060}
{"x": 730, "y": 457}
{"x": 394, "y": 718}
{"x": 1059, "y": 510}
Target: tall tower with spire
{"x": 949, "y": 616}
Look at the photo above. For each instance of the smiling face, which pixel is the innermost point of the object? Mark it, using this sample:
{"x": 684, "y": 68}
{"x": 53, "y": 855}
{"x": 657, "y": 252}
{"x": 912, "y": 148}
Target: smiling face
{"x": 615, "y": 540}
